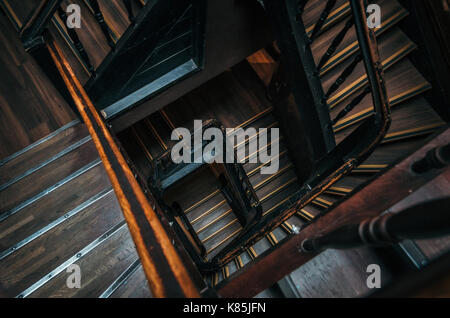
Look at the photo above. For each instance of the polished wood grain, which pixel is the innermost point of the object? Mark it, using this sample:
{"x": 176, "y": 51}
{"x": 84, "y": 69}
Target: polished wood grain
{"x": 100, "y": 268}
{"x": 135, "y": 287}
{"x": 52, "y": 206}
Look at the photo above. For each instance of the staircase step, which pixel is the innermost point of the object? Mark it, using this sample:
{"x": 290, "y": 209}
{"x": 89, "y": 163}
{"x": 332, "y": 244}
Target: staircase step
{"x": 388, "y": 154}
{"x": 32, "y": 264}
{"x": 52, "y": 209}
{"x": 136, "y": 286}
{"x": 313, "y": 10}
{"x": 393, "y": 47}
{"x": 347, "y": 185}
{"x": 412, "y": 118}
{"x": 116, "y": 16}
{"x": 40, "y": 151}
{"x": 403, "y": 82}
{"x": 44, "y": 178}
{"x": 99, "y": 268}
{"x": 338, "y": 273}
{"x": 391, "y": 13}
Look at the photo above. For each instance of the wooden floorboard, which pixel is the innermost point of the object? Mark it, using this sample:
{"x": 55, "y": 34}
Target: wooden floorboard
{"x": 99, "y": 269}
{"x": 26, "y": 266}
{"x": 46, "y": 177}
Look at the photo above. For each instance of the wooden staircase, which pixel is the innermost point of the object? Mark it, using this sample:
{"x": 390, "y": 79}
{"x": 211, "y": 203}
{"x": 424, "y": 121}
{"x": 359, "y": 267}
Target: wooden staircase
{"x": 57, "y": 208}
{"x": 237, "y": 99}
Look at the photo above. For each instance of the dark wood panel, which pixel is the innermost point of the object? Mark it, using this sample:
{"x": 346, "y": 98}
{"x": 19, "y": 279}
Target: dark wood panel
{"x": 437, "y": 188}
{"x": 135, "y": 287}
{"x": 30, "y": 107}
{"x": 338, "y": 274}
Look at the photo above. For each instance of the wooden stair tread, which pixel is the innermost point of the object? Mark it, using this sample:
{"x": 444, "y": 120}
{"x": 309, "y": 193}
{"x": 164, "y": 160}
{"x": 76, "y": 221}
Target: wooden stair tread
{"x": 403, "y": 81}
{"x": 135, "y": 287}
{"x": 393, "y": 46}
{"x": 44, "y": 149}
{"x": 347, "y": 184}
{"x": 313, "y": 10}
{"x": 29, "y": 264}
{"x": 116, "y": 16}
{"x": 100, "y": 268}
{"x": 412, "y": 118}
{"x": 53, "y": 206}
{"x": 387, "y": 154}
{"x": 47, "y": 176}
{"x": 391, "y": 13}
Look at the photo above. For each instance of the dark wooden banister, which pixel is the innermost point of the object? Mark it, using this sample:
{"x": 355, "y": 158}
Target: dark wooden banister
{"x": 167, "y": 275}
{"x": 426, "y": 220}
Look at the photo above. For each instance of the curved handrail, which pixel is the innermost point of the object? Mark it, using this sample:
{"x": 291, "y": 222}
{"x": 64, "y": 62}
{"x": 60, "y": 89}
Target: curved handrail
{"x": 344, "y": 157}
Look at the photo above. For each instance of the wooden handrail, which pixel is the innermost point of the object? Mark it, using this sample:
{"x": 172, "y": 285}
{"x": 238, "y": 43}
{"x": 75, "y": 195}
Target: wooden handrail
{"x": 426, "y": 220}
{"x": 166, "y": 273}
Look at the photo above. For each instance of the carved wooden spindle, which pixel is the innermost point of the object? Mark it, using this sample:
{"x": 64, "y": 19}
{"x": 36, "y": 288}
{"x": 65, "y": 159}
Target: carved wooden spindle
{"x": 345, "y": 73}
{"x": 334, "y": 45}
{"x": 436, "y": 158}
{"x": 76, "y": 42}
{"x": 101, "y": 21}
{"x": 426, "y": 220}
{"x": 323, "y": 17}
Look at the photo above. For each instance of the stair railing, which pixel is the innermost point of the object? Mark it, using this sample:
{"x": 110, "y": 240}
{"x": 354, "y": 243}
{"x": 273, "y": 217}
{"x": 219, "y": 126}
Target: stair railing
{"x": 426, "y": 220}
{"x": 169, "y": 271}
{"x": 353, "y": 150}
